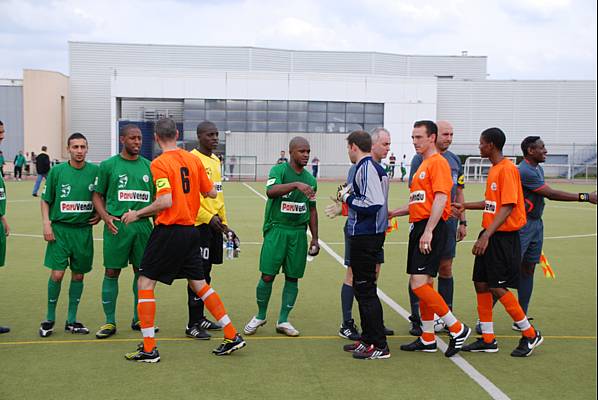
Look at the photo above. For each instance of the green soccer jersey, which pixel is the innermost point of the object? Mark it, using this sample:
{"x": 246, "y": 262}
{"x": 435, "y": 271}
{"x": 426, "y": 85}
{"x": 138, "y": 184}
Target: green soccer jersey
{"x": 292, "y": 209}
{"x": 2, "y": 197}
{"x": 125, "y": 184}
{"x": 68, "y": 192}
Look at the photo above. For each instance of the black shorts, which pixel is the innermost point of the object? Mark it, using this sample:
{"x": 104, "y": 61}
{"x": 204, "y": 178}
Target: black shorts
{"x": 210, "y": 242}
{"x": 379, "y": 255}
{"x": 499, "y": 265}
{"x": 173, "y": 252}
{"x": 425, "y": 264}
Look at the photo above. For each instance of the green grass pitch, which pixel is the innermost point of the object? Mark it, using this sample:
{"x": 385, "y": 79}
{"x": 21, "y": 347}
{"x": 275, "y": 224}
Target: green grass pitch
{"x": 312, "y": 366}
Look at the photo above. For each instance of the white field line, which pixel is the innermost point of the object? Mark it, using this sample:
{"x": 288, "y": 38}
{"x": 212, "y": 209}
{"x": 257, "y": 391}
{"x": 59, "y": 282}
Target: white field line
{"x": 466, "y": 367}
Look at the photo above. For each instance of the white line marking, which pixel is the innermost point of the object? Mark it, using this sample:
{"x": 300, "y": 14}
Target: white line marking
{"x": 466, "y": 367}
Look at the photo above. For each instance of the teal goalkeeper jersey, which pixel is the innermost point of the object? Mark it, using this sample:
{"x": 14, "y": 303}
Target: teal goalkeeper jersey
{"x": 68, "y": 192}
{"x": 125, "y": 184}
{"x": 292, "y": 209}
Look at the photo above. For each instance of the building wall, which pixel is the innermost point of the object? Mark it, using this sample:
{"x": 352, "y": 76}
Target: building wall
{"x": 11, "y": 114}
{"x": 563, "y": 113}
{"x": 46, "y": 112}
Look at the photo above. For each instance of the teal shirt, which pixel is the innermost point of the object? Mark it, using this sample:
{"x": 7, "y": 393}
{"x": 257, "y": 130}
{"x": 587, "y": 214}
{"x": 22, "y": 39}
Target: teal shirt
{"x": 20, "y": 160}
{"x": 2, "y": 197}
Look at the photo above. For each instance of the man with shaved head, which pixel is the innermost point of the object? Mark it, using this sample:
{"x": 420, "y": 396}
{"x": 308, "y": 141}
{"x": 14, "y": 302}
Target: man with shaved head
{"x": 456, "y": 228}
{"x": 291, "y": 207}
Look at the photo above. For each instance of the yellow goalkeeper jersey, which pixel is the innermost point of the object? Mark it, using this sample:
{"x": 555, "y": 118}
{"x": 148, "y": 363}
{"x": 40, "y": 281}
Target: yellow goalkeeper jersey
{"x": 210, "y": 207}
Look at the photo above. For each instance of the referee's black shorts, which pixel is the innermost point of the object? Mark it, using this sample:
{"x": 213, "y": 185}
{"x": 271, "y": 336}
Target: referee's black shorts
{"x": 499, "y": 265}
{"x": 173, "y": 252}
{"x": 425, "y": 264}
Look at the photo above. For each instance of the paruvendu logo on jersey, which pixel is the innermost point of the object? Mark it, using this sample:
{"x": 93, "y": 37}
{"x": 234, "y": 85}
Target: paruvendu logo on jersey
{"x": 291, "y": 207}
{"x": 490, "y": 207}
{"x": 134, "y": 195}
{"x": 76, "y": 206}
{"x": 2, "y": 194}
{"x": 419, "y": 196}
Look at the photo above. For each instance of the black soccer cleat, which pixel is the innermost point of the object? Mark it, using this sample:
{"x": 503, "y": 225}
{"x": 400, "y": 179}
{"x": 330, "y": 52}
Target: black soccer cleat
{"x": 46, "y": 328}
{"x": 230, "y": 345}
{"x": 136, "y": 326}
{"x": 388, "y": 331}
{"x": 479, "y": 346}
{"x": 416, "y": 326}
{"x": 478, "y": 327}
{"x": 357, "y": 346}
{"x": 76, "y": 327}
{"x": 372, "y": 353}
{"x": 140, "y": 355}
{"x": 418, "y": 345}
{"x": 526, "y": 346}
{"x": 4, "y": 329}
{"x": 457, "y": 342}
{"x": 348, "y": 330}
{"x": 208, "y": 325}
{"x": 106, "y": 331}
{"x": 195, "y": 332}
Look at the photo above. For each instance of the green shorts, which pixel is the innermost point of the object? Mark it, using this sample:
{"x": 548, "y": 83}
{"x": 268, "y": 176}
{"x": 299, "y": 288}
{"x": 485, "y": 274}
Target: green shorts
{"x": 128, "y": 245}
{"x": 286, "y": 248}
{"x": 2, "y": 245}
{"x": 72, "y": 248}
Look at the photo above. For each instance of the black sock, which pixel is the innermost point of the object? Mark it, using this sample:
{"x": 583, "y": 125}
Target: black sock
{"x": 347, "y": 301}
{"x": 445, "y": 289}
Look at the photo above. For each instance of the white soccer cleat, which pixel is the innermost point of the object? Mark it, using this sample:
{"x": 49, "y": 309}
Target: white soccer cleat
{"x": 252, "y": 325}
{"x": 287, "y": 329}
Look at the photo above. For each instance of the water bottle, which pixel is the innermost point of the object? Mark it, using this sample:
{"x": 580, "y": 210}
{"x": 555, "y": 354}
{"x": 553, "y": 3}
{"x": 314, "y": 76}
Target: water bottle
{"x": 230, "y": 246}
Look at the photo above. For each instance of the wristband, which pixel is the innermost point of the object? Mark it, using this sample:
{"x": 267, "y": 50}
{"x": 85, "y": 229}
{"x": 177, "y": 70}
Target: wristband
{"x": 464, "y": 223}
{"x": 584, "y": 197}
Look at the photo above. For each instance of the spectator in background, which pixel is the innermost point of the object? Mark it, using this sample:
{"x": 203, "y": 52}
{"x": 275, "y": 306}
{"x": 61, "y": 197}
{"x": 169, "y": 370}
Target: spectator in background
{"x": 282, "y": 159}
{"x": 19, "y": 161}
{"x": 2, "y": 162}
{"x": 403, "y": 167}
{"x": 42, "y": 166}
{"x": 231, "y": 165}
{"x": 392, "y": 162}
{"x": 315, "y": 166}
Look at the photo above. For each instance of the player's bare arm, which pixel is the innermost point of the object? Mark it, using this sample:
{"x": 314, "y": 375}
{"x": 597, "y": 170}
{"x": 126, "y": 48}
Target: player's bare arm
{"x": 314, "y": 246}
{"x": 480, "y": 246}
{"x": 211, "y": 194}
{"x": 399, "y": 212}
{"x": 161, "y": 203}
{"x": 286, "y": 188}
{"x": 99, "y": 204}
{"x": 94, "y": 219}
{"x": 46, "y": 223}
{"x": 462, "y": 228}
{"x": 425, "y": 242}
{"x": 559, "y": 195}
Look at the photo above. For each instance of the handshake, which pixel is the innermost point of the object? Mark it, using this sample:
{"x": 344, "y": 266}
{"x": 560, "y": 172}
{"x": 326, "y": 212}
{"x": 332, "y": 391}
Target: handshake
{"x": 335, "y": 209}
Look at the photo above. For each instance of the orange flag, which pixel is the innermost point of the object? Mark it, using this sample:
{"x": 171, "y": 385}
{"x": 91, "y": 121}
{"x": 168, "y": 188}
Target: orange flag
{"x": 548, "y": 272}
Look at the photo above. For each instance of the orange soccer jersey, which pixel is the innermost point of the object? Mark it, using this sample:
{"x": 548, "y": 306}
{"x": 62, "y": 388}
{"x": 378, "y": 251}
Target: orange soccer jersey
{"x": 432, "y": 176}
{"x": 504, "y": 187}
{"x": 183, "y": 175}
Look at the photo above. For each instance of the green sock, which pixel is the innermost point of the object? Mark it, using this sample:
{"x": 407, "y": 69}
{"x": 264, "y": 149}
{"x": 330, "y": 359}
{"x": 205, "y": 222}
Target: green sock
{"x": 75, "y": 291}
{"x": 262, "y": 294}
{"x": 289, "y": 295}
{"x": 109, "y": 295}
{"x": 53, "y": 294}
{"x": 135, "y": 297}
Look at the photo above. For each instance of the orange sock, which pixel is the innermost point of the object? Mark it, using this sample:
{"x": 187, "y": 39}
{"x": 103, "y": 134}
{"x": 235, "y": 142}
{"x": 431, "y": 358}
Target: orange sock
{"x": 437, "y": 304}
{"x": 485, "y": 303}
{"x": 146, "y": 308}
{"x": 214, "y": 305}
{"x": 427, "y": 316}
{"x": 516, "y": 312}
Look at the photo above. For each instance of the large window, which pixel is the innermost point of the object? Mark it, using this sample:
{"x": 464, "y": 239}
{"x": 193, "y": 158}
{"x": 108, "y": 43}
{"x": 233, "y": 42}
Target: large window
{"x": 284, "y": 116}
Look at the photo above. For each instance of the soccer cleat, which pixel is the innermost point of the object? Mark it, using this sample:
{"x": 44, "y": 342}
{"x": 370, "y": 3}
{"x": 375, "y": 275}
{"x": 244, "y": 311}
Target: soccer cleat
{"x": 478, "y": 327}
{"x": 526, "y": 346}
{"x": 140, "y": 355}
{"x": 106, "y": 331}
{"x": 4, "y": 329}
{"x": 456, "y": 342}
{"x": 349, "y": 331}
{"x": 136, "y": 326}
{"x": 196, "y": 332}
{"x": 516, "y": 327}
{"x": 418, "y": 345}
{"x": 416, "y": 326}
{"x": 372, "y": 353}
{"x": 76, "y": 327}
{"x": 479, "y": 346}
{"x": 208, "y": 325}
{"x": 388, "y": 331}
{"x": 357, "y": 346}
{"x": 287, "y": 329}
{"x": 46, "y": 328}
{"x": 439, "y": 325}
{"x": 230, "y": 345}
{"x": 252, "y": 325}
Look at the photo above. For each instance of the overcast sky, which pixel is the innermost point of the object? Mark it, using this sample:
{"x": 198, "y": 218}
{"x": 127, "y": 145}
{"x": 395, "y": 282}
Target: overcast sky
{"x": 523, "y": 39}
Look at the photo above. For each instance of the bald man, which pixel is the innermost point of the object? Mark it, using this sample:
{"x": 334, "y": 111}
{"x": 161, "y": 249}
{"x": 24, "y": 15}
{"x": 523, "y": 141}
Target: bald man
{"x": 291, "y": 207}
{"x": 456, "y": 228}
